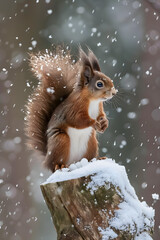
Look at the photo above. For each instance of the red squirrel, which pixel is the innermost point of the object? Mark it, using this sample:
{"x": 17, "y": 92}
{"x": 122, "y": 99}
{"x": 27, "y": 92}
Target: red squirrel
{"x": 66, "y": 109}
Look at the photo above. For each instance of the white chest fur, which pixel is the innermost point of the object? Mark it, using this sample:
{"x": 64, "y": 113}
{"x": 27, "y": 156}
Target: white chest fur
{"x": 79, "y": 137}
{"x": 78, "y": 142}
{"x": 94, "y": 109}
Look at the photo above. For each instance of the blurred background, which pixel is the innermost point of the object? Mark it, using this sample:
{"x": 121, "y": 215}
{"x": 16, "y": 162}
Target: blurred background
{"x": 125, "y": 36}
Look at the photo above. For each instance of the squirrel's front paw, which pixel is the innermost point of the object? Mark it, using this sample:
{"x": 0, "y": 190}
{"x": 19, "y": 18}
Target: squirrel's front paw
{"x": 101, "y": 124}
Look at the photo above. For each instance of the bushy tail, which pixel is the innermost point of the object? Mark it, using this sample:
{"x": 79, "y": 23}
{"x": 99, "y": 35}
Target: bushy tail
{"x": 57, "y": 75}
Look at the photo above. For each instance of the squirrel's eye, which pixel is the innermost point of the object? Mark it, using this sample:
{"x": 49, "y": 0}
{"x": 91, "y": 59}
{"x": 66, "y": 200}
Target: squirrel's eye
{"x": 99, "y": 84}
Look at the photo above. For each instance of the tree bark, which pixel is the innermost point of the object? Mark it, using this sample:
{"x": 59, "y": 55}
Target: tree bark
{"x": 78, "y": 213}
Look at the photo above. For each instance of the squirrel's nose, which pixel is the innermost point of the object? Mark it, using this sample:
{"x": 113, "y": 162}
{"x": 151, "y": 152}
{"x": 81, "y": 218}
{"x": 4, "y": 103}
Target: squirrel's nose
{"x": 114, "y": 91}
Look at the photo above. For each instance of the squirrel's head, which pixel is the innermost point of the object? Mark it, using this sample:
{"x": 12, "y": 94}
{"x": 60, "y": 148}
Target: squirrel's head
{"x": 98, "y": 84}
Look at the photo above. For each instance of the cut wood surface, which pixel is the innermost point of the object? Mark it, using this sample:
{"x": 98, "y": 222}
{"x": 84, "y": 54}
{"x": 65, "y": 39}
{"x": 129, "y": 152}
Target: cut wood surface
{"x": 93, "y": 207}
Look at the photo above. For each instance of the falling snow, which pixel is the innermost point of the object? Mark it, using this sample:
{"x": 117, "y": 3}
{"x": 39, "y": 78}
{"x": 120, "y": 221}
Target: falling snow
{"x": 49, "y": 11}
{"x": 50, "y": 90}
{"x": 125, "y": 38}
{"x": 155, "y": 196}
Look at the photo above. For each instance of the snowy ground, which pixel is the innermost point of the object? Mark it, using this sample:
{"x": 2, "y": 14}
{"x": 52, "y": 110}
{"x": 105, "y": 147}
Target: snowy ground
{"x": 132, "y": 214}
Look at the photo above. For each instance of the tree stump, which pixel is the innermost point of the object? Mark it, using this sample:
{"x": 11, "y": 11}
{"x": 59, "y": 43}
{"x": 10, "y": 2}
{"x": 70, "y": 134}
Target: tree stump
{"x": 96, "y": 201}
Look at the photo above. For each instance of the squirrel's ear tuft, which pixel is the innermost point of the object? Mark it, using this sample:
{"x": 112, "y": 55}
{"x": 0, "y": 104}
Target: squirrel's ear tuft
{"x": 93, "y": 60}
{"x": 87, "y": 71}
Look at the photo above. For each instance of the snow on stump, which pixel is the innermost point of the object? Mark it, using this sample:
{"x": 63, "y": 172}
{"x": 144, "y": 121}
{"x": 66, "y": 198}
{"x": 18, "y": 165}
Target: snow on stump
{"x": 94, "y": 200}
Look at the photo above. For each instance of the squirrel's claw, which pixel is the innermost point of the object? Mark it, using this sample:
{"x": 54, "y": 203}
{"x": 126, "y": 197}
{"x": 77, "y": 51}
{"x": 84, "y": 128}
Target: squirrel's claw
{"x": 57, "y": 167}
{"x": 97, "y": 126}
{"x": 102, "y": 158}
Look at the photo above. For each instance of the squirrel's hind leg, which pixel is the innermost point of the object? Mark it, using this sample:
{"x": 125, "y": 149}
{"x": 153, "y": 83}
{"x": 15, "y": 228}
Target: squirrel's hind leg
{"x": 58, "y": 151}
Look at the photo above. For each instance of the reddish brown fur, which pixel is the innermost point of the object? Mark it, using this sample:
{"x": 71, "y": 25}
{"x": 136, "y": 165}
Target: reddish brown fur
{"x": 49, "y": 117}
{"x": 58, "y": 149}
{"x": 76, "y": 117}
{"x": 41, "y": 104}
